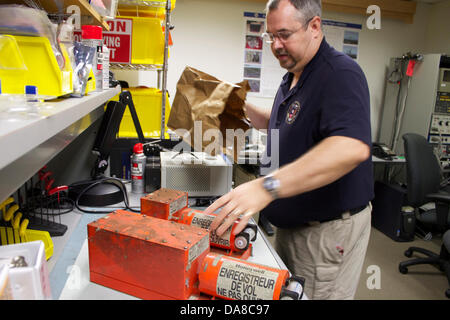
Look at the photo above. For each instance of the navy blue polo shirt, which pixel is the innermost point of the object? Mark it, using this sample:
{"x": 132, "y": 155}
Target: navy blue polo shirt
{"x": 331, "y": 98}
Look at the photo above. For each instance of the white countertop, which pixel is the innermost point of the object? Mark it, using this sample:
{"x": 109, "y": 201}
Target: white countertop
{"x": 69, "y": 275}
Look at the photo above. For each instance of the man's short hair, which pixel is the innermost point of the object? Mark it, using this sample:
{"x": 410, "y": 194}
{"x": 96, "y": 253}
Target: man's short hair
{"x": 307, "y": 9}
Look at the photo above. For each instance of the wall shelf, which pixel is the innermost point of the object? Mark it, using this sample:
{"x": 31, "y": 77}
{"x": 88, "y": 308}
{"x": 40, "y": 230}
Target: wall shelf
{"x": 163, "y": 9}
{"x": 59, "y": 7}
{"x": 393, "y": 9}
{"x": 143, "y": 3}
{"x": 136, "y": 67}
{"x": 30, "y": 144}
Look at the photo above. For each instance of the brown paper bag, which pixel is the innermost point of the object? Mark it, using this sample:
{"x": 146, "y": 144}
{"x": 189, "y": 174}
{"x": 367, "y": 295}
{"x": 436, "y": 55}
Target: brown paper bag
{"x": 205, "y": 108}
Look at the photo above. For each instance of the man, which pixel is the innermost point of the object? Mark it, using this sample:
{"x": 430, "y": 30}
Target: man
{"x": 320, "y": 196}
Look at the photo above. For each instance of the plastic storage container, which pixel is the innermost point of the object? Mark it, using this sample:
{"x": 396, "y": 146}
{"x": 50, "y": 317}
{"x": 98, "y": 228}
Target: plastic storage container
{"x": 140, "y": 9}
{"x": 11, "y": 235}
{"x": 41, "y": 68}
{"x": 30, "y": 282}
{"x": 147, "y": 102}
{"x": 12, "y": 65}
{"x": 147, "y": 41}
{"x": 5, "y": 286}
{"x": 146, "y": 36}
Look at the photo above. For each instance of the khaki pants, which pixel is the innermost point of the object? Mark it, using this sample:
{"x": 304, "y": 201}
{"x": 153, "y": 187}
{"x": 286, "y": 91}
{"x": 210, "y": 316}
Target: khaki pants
{"x": 328, "y": 255}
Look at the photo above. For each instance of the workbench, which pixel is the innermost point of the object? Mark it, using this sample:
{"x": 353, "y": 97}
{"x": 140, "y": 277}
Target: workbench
{"x": 31, "y": 143}
{"x": 69, "y": 267}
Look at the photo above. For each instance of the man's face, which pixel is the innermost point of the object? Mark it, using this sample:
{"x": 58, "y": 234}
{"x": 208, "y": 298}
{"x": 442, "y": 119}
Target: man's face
{"x": 292, "y": 52}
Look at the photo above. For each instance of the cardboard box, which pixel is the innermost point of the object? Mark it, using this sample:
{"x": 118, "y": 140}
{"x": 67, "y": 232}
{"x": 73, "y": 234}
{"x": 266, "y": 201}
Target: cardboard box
{"x": 146, "y": 257}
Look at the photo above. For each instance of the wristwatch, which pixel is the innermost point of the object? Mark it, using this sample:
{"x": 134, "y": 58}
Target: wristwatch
{"x": 271, "y": 185}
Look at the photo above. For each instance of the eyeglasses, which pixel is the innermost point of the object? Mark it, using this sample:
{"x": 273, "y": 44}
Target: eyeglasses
{"x": 283, "y": 35}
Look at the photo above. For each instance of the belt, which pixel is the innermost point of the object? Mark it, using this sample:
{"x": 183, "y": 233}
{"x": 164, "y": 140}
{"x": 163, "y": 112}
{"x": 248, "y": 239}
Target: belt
{"x": 357, "y": 210}
{"x": 351, "y": 212}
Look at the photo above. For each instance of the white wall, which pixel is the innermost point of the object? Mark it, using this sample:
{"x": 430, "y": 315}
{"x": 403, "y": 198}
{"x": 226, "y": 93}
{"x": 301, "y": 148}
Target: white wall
{"x": 438, "y": 31}
{"x": 208, "y": 35}
{"x": 376, "y": 47}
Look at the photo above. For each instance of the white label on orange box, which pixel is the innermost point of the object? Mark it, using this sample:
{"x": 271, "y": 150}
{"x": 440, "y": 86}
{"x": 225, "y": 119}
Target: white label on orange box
{"x": 245, "y": 282}
{"x": 177, "y": 205}
{"x": 198, "y": 249}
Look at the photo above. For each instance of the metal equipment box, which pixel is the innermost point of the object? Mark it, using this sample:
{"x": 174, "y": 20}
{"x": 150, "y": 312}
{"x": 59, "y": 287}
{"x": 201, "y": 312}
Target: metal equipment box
{"x": 163, "y": 203}
{"x": 146, "y": 257}
{"x": 197, "y": 173}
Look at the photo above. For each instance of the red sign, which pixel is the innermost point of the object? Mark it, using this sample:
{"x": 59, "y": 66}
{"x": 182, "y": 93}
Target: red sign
{"x": 117, "y": 39}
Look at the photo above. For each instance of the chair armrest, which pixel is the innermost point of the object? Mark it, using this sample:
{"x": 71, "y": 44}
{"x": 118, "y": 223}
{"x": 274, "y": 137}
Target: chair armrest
{"x": 442, "y": 201}
{"x": 443, "y": 197}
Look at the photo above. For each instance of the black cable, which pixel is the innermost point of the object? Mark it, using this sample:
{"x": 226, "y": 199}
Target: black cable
{"x": 114, "y": 181}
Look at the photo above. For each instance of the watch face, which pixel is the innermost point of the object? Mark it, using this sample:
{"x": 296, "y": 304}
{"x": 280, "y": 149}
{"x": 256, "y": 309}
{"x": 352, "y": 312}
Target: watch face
{"x": 269, "y": 184}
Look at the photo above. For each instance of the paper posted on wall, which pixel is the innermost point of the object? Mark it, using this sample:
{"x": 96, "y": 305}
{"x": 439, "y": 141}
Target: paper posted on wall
{"x": 344, "y": 37}
{"x": 261, "y": 68}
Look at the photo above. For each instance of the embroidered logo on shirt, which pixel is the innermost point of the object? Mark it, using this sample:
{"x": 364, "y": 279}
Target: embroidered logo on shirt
{"x": 293, "y": 112}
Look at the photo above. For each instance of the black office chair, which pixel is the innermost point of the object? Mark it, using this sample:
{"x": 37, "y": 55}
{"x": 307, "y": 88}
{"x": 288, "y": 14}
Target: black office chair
{"x": 423, "y": 179}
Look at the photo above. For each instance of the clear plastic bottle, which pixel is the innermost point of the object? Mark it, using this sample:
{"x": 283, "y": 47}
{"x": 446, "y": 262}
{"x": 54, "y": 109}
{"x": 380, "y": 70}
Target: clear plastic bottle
{"x": 31, "y": 94}
{"x": 20, "y": 106}
{"x": 92, "y": 36}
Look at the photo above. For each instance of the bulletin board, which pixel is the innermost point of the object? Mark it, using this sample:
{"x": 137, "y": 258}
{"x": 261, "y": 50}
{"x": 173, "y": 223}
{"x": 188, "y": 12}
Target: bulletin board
{"x": 261, "y": 68}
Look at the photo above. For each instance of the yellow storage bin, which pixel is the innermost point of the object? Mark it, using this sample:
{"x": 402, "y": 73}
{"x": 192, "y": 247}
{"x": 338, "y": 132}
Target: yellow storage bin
{"x": 42, "y": 69}
{"x": 147, "y": 41}
{"x": 139, "y": 9}
{"x": 19, "y": 232}
{"x": 11, "y": 63}
{"x": 11, "y": 236}
{"x": 44, "y": 236}
{"x": 147, "y": 102}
